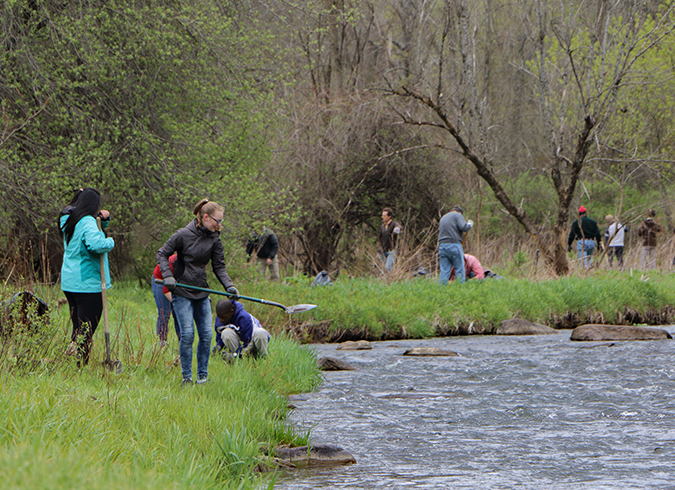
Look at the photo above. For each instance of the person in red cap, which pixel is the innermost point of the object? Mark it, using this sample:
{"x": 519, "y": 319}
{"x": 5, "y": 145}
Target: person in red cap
{"x": 586, "y": 232}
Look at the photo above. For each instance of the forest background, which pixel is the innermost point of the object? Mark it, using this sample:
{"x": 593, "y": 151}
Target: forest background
{"x": 311, "y": 116}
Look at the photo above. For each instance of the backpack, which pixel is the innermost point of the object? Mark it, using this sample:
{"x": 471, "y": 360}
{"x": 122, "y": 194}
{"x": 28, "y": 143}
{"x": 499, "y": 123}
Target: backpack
{"x": 322, "y": 279}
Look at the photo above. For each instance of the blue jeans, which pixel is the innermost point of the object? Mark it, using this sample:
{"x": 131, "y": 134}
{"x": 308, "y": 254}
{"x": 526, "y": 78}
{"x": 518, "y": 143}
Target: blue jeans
{"x": 389, "y": 258}
{"x": 163, "y": 312}
{"x": 197, "y": 310}
{"x": 451, "y": 255}
{"x": 585, "y": 250}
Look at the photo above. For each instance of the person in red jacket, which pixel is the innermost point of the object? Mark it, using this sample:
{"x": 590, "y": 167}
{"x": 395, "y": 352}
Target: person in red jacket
{"x": 163, "y": 301}
{"x": 472, "y": 268}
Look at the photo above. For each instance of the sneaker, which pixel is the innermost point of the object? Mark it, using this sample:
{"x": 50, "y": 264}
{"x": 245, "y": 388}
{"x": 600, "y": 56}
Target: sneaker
{"x": 187, "y": 381}
{"x": 201, "y": 381}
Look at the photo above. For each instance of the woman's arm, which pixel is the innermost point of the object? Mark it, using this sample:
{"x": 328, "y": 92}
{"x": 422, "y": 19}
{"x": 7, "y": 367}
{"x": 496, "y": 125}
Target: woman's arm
{"x": 93, "y": 238}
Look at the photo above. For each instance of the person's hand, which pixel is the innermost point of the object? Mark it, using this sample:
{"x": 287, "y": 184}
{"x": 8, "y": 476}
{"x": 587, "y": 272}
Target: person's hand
{"x": 269, "y": 261}
{"x": 470, "y": 223}
{"x": 170, "y": 283}
{"x": 569, "y": 248}
{"x": 104, "y": 214}
{"x": 234, "y": 294}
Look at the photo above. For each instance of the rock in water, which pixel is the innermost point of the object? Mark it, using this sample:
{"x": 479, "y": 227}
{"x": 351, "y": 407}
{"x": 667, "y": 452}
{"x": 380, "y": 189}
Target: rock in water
{"x": 332, "y": 364}
{"x": 516, "y": 326}
{"x": 595, "y": 332}
{"x": 429, "y": 351}
{"x": 318, "y": 455}
{"x": 358, "y": 345}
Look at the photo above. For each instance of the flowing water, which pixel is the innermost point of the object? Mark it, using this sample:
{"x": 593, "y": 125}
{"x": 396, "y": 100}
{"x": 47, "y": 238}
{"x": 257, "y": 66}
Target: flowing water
{"x": 526, "y": 412}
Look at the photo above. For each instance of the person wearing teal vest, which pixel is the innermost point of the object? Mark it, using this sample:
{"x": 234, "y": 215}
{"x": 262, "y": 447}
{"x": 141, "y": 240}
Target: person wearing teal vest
{"x": 83, "y": 245}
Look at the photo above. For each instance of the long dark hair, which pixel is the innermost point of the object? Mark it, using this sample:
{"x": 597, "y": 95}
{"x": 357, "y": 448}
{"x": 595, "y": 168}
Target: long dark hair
{"x": 88, "y": 204}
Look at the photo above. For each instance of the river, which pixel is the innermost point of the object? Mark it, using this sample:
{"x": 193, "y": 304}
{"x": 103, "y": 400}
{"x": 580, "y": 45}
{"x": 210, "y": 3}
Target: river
{"x": 526, "y": 412}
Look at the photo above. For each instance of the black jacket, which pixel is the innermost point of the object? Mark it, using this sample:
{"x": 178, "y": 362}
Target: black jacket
{"x": 196, "y": 246}
{"x": 265, "y": 246}
{"x": 589, "y": 231}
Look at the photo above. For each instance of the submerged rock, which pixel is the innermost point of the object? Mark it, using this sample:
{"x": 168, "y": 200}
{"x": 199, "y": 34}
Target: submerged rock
{"x": 429, "y": 351}
{"x": 317, "y": 455}
{"x": 358, "y": 345}
{"x": 412, "y": 395}
{"x": 595, "y": 332}
{"x": 516, "y": 326}
{"x": 332, "y": 364}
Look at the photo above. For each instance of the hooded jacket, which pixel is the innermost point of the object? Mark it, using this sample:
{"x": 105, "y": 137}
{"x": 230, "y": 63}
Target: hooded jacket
{"x": 81, "y": 269}
{"x": 648, "y": 230}
{"x": 242, "y": 322}
{"x": 196, "y": 246}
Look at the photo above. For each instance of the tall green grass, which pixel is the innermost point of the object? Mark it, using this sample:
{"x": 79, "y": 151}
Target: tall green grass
{"x": 61, "y": 427}
{"x": 420, "y": 307}
{"x": 67, "y": 428}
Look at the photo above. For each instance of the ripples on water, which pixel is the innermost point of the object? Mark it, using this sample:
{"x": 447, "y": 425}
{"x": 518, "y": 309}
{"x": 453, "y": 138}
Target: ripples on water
{"x": 526, "y": 412}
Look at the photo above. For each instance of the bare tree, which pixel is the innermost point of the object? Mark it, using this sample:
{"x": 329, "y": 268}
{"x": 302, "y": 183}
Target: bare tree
{"x": 578, "y": 58}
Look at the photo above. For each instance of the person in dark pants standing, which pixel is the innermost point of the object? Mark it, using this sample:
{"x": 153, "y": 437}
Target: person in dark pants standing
{"x": 83, "y": 245}
{"x": 197, "y": 244}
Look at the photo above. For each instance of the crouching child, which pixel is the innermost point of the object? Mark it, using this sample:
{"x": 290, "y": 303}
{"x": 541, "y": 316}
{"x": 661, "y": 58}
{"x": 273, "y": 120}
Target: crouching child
{"x": 239, "y": 334}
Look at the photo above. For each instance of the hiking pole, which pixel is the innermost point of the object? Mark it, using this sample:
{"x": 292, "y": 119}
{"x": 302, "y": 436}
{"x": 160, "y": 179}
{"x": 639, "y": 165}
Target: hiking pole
{"x": 116, "y": 365}
{"x": 287, "y": 309}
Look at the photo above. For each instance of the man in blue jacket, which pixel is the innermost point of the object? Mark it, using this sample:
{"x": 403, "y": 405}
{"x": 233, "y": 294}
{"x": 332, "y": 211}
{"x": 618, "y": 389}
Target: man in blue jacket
{"x": 239, "y": 333}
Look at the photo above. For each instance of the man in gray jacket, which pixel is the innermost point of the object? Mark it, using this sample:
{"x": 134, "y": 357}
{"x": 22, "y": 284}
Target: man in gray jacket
{"x": 450, "y": 251}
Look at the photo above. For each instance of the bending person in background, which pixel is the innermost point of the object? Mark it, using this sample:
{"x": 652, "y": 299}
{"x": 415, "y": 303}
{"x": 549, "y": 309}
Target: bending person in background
{"x": 472, "y": 268}
{"x": 451, "y": 230}
{"x": 265, "y": 248}
{"x": 83, "y": 245}
{"x": 239, "y": 333}
{"x": 196, "y": 245}
{"x": 163, "y": 302}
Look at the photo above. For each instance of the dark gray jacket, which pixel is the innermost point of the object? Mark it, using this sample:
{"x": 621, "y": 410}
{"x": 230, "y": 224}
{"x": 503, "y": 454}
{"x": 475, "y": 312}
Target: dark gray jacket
{"x": 451, "y": 228}
{"x": 196, "y": 246}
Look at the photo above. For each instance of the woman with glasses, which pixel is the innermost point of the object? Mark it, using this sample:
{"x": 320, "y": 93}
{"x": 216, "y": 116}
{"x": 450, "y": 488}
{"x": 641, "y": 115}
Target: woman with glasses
{"x": 196, "y": 245}
{"x": 83, "y": 245}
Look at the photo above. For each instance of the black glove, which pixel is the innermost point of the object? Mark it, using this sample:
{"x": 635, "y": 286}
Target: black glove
{"x": 234, "y": 294}
{"x": 170, "y": 283}
{"x": 569, "y": 248}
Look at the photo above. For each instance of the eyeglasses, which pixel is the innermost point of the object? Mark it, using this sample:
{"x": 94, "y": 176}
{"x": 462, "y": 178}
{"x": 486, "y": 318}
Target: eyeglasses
{"x": 218, "y": 221}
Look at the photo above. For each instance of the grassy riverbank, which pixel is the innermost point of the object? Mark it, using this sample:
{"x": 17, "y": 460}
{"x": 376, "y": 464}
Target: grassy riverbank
{"x": 374, "y": 309}
{"x": 69, "y": 428}
{"x": 66, "y": 428}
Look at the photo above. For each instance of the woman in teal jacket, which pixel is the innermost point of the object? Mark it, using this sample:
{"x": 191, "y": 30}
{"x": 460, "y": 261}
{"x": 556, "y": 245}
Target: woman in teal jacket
{"x": 83, "y": 245}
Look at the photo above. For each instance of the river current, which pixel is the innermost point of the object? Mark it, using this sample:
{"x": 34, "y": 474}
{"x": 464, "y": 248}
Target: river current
{"x": 525, "y": 412}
